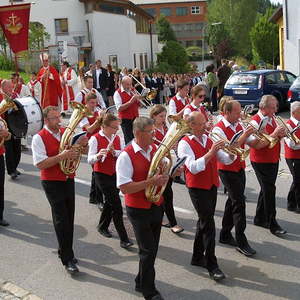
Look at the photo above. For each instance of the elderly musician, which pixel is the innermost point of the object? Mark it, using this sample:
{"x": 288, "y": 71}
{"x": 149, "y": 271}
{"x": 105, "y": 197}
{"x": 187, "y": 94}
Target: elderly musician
{"x": 104, "y": 148}
{"x": 292, "y": 158}
{"x": 234, "y": 178}
{"x": 46, "y": 157}
{"x": 146, "y": 217}
{"x": 92, "y": 125}
{"x": 127, "y": 103}
{"x": 202, "y": 182}
{"x": 265, "y": 162}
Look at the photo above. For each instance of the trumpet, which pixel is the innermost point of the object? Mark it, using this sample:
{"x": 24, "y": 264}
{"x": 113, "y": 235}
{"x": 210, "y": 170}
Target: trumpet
{"x": 290, "y": 134}
{"x": 230, "y": 149}
{"x": 247, "y": 111}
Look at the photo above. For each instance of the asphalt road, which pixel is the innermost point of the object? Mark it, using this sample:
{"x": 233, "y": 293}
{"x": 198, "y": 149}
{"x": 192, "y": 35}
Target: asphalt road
{"x": 28, "y": 248}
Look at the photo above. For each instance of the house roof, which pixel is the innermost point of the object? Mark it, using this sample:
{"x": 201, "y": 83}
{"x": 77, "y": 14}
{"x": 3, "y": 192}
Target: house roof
{"x": 278, "y": 13}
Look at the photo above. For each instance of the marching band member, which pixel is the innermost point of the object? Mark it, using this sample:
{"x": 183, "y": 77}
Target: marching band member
{"x": 127, "y": 104}
{"x": 59, "y": 188}
{"x": 158, "y": 113}
{"x": 69, "y": 86}
{"x": 35, "y": 87}
{"x": 80, "y": 97}
{"x": 18, "y": 87}
{"x": 202, "y": 181}
{"x": 146, "y": 217}
{"x": 50, "y": 81}
{"x": 92, "y": 126}
{"x": 104, "y": 148}
{"x": 292, "y": 158}
{"x": 265, "y": 163}
{"x": 179, "y": 101}
{"x": 234, "y": 179}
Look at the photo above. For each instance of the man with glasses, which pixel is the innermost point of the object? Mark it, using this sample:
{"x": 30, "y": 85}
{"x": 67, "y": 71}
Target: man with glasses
{"x": 132, "y": 169}
{"x": 59, "y": 188}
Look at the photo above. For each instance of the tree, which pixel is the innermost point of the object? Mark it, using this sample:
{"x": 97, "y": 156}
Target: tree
{"x": 264, "y": 5}
{"x": 3, "y": 42}
{"x": 264, "y": 39}
{"x": 37, "y": 36}
{"x": 173, "y": 58}
{"x": 164, "y": 30}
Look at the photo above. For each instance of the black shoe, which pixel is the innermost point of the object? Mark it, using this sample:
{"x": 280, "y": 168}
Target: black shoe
{"x": 71, "y": 268}
{"x": 3, "y": 223}
{"x": 199, "y": 263}
{"x": 74, "y": 260}
{"x": 100, "y": 206}
{"x": 18, "y": 172}
{"x": 138, "y": 289}
{"x": 297, "y": 210}
{"x": 178, "y": 180}
{"x": 105, "y": 232}
{"x": 291, "y": 208}
{"x": 217, "y": 274}
{"x": 93, "y": 201}
{"x": 24, "y": 148}
{"x": 63, "y": 114}
{"x": 246, "y": 250}
{"x": 13, "y": 175}
{"x": 126, "y": 245}
{"x": 157, "y": 296}
{"x": 229, "y": 241}
{"x": 278, "y": 230}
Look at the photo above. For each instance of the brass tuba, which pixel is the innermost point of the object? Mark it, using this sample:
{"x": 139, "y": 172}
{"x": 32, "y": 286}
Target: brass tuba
{"x": 291, "y": 135}
{"x": 177, "y": 129}
{"x": 69, "y": 166}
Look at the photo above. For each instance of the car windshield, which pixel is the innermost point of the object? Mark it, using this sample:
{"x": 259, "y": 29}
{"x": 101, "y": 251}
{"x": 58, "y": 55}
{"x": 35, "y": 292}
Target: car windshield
{"x": 296, "y": 83}
{"x": 243, "y": 79}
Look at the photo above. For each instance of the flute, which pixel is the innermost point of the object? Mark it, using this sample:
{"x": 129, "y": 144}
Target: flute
{"x": 107, "y": 148}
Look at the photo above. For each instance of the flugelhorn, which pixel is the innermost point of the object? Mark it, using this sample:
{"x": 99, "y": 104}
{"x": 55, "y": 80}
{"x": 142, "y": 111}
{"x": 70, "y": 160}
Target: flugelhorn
{"x": 290, "y": 134}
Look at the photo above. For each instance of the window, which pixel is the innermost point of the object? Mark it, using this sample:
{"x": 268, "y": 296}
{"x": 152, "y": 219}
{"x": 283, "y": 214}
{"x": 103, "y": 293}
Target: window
{"x": 166, "y": 11}
{"x": 112, "y": 9}
{"x": 61, "y": 26}
{"x": 151, "y": 11}
{"x": 88, "y": 7}
{"x": 134, "y": 60}
{"x": 141, "y": 62}
{"x": 291, "y": 78}
{"x": 146, "y": 60}
{"x": 189, "y": 43}
{"x": 271, "y": 78}
{"x": 181, "y": 11}
{"x": 195, "y": 10}
{"x": 199, "y": 43}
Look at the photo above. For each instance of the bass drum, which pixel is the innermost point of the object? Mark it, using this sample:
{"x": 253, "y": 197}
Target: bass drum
{"x": 27, "y": 119}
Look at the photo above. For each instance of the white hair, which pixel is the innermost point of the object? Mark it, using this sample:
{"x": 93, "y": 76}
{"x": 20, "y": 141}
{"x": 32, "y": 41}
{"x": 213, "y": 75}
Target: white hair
{"x": 265, "y": 100}
{"x": 295, "y": 106}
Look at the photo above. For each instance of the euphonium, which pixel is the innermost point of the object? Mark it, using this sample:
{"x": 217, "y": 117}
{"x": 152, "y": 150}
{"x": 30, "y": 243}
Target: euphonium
{"x": 69, "y": 166}
{"x": 289, "y": 134}
{"x": 177, "y": 129}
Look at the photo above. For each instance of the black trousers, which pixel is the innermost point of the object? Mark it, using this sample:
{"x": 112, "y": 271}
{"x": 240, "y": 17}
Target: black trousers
{"x": 12, "y": 154}
{"x": 96, "y": 195}
{"x": 293, "y": 200}
{"x": 168, "y": 204}
{"x": 235, "y": 207}
{"x": 147, "y": 226}
{"x": 2, "y": 179}
{"x": 112, "y": 209}
{"x": 126, "y": 126}
{"x": 204, "y": 202}
{"x": 61, "y": 196}
{"x": 214, "y": 98}
{"x": 266, "y": 174}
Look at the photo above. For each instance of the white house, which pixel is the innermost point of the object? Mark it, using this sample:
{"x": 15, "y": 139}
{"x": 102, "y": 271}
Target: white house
{"x": 291, "y": 12}
{"x": 115, "y": 31}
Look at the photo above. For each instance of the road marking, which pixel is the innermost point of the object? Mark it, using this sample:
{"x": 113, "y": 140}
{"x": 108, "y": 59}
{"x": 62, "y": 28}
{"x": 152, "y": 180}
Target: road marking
{"x": 178, "y": 209}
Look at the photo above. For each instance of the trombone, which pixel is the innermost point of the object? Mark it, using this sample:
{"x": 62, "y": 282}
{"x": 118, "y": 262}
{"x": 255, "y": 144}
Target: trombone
{"x": 290, "y": 134}
{"x": 147, "y": 95}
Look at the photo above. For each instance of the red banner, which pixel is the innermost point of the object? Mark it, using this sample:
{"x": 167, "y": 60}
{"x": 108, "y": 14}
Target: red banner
{"x": 14, "y": 20}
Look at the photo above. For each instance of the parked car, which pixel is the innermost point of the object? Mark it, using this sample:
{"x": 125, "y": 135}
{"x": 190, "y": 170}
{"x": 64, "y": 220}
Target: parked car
{"x": 294, "y": 91}
{"x": 248, "y": 87}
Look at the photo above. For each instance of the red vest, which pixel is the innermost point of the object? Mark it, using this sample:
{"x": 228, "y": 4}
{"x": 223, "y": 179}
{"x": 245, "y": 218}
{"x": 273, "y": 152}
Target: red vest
{"x": 140, "y": 171}
{"x": 91, "y": 122}
{"x": 2, "y": 150}
{"x": 53, "y": 173}
{"x": 132, "y": 111}
{"x": 179, "y": 105}
{"x": 33, "y": 83}
{"x": 237, "y": 165}
{"x": 109, "y": 165}
{"x": 201, "y": 108}
{"x": 159, "y": 136}
{"x": 266, "y": 155}
{"x": 289, "y": 152}
{"x": 207, "y": 178}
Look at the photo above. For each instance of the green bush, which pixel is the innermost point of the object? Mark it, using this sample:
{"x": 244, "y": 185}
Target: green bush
{"x": 5, "y": 63}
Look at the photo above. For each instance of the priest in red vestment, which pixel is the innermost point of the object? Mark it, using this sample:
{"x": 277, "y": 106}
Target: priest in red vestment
{"x": 51, "y": 85}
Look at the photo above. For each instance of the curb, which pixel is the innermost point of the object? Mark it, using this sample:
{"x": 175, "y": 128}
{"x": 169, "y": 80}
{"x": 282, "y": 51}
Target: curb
{"x": 11, "y": 289}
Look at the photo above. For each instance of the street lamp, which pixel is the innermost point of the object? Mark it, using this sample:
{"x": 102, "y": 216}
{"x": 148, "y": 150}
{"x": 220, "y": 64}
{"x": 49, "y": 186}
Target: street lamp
{"x": 203, "y": 39}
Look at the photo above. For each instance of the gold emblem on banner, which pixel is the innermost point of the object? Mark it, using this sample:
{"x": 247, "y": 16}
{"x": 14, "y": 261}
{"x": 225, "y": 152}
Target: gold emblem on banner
{"x": 14, "y": 25}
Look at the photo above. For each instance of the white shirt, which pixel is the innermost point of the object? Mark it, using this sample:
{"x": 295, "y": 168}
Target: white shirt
{"x": 37, "y": 89}
{"x": 198, "y": 165}
{"x": 118, "y": 98}
{"x": 98, "y": 72}
{"x": 39, "y": 152}
{"x": 93, "y": 148}
{"x": 172, "y": 105}
{"x": 85, "y": 120}
{"x": 261, "y": 117}
{"x": 79, "y": 97}
{"x": 288, "y": 142}
{"x": 25, "y": 92}
{"x": 187, "y": 111}
{"x": 124, "y": 168}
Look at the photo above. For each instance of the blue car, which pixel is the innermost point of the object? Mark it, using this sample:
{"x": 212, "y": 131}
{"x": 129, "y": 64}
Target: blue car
{"x": 248, "y": 87}
{"x": 294, "y": 91}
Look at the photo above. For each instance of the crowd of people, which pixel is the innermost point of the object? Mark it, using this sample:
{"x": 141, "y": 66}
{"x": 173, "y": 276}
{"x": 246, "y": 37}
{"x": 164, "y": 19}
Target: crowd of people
{"x": 121, "y": 162}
